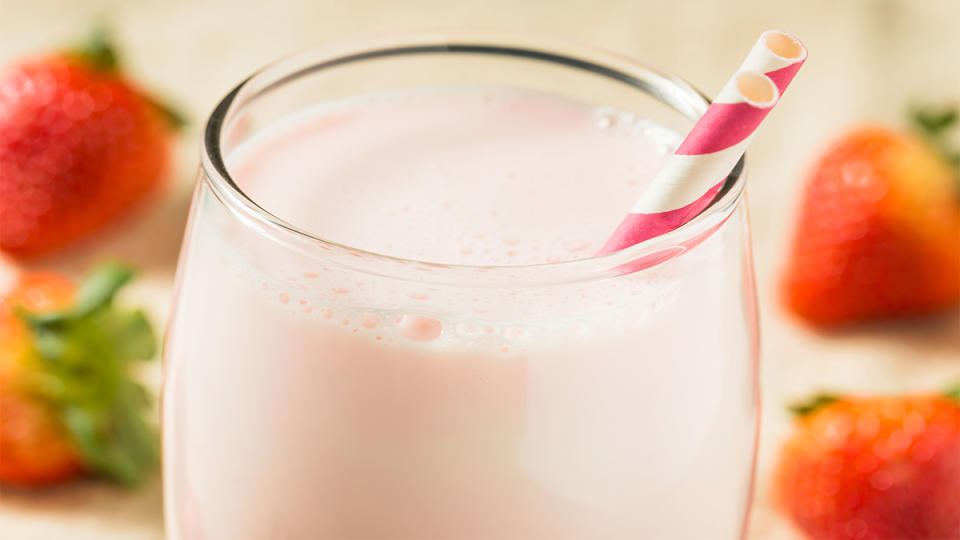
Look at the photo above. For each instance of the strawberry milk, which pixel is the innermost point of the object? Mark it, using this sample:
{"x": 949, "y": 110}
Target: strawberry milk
{"x": 351, "y": 389}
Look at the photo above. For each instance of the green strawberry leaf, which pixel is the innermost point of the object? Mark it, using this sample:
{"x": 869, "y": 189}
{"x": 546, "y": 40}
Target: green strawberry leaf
{"x": 100, "y": 287}
{"x": 174, "y": 118}
{"x": 132, "y": 334}
{"x": 803, "y": 408}
{"x": 934, "y": 120}
{"x": 49, "y": 344}
{"x": 934, "y": 123}
{"x": 88, "y": 354}
{"x": 953, "y": 392}
{"x": 83, "y": 429}
{"x": 97, "y": 50}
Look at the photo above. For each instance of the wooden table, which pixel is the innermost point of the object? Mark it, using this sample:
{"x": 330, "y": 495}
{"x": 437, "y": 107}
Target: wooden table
{"x": 868, "y": 60}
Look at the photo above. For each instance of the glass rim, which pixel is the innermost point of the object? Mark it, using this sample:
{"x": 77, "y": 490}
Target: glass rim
{"x": 666, "y": 88}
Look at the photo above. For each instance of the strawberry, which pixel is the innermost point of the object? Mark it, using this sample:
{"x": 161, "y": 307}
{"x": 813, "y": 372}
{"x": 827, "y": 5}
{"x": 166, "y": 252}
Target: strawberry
{"x": 878, "y": 234}
{"x": 67, "y": 401}
{"x": 34, "y": 446}
{"x": 80, "y": 146}
{"x": 874, "y": 468}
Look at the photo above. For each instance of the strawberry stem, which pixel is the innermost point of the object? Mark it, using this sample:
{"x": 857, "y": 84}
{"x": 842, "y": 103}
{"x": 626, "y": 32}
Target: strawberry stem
{"x": 98, "y": 51}
{"x": 803, "y": 408}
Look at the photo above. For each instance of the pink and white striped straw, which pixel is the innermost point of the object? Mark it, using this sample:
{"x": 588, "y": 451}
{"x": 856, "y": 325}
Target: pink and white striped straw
{"x": 696, "y": 171}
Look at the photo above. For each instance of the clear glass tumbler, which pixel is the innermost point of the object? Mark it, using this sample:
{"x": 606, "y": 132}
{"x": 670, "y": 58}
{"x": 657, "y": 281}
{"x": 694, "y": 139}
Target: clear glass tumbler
{"x": 542, "y": 407}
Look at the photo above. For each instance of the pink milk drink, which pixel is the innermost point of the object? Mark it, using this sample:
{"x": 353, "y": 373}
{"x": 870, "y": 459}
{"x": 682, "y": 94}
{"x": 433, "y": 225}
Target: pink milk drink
{"x": 390, "y": 324}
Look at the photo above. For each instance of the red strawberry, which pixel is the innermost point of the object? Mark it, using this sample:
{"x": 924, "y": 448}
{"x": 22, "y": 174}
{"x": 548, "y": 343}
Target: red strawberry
{"x": 67, "y": 402}
{"x": 874, "y": 468}
{"x": 79, "y": 146}
{"x": 878, "y": 234}
{"x": 34, "y": 446}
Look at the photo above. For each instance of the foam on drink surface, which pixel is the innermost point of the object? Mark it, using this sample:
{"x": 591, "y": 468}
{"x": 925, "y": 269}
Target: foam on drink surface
{"x": 470, "y": 176}
{"x": 477, "y": 176}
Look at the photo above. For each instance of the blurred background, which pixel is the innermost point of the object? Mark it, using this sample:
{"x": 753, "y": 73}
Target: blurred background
{"x": 869, "y": 60}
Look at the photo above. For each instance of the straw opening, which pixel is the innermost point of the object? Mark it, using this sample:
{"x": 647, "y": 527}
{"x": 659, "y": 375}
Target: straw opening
{"x": 783, "y": 45}
{"x": 758, "y": 89}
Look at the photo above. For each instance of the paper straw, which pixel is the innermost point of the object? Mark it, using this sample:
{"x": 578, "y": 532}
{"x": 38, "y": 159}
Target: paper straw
{"x": 696, "y": 171}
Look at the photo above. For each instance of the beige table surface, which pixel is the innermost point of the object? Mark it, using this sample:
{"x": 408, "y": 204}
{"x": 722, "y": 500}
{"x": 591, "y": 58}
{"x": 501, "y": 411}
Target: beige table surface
{"x": 868, "y": 59}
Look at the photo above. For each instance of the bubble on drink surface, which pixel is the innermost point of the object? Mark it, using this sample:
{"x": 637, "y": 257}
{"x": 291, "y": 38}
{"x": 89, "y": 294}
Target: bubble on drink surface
{"x": 605, "y": 117}
{"x": 370, "y": 320}
{"x": 419, "y": 327}
{"x": 626, "y": 118}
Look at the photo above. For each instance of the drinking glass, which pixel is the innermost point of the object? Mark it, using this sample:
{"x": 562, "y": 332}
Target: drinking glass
{"x": 590, "y": 399}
